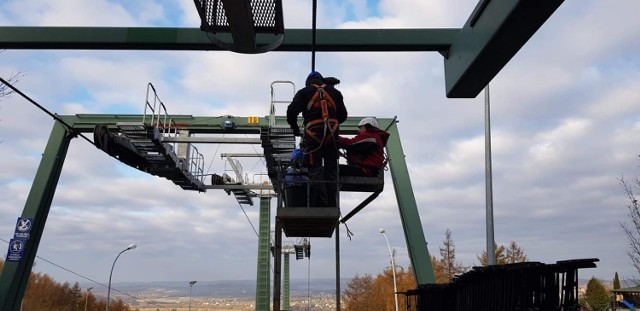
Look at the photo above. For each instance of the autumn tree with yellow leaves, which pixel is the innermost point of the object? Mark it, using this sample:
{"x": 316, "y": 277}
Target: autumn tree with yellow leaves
{"x": 44, "y": 294}
{"x": 366, "y": 293}
{"x": 505, "y": 255}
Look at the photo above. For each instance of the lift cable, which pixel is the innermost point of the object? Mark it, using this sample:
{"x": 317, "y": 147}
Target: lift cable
{"x": 249, "y": 220}
{"x": 91, "y": 280}
{"x": 53, "y": 115}
{"x": 71, "y": 129}
{"x": 214, "y": 156}
{"x": 313, "y": 34}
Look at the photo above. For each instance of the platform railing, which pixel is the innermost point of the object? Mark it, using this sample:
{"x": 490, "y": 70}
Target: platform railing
{"x": 276, "y": 101}
{"x": 195, "y": 164}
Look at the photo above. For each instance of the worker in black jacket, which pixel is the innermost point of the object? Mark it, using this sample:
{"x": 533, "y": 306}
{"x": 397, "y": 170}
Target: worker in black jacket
{"x": 323, "y": 110}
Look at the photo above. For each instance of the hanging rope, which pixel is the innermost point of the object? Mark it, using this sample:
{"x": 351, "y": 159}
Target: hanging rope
{"x": 313, "y": 35}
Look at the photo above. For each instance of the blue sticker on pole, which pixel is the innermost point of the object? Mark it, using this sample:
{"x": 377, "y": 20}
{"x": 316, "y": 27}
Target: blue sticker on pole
{"x": 16, "y": 250}
{"x": 23, "y": 228}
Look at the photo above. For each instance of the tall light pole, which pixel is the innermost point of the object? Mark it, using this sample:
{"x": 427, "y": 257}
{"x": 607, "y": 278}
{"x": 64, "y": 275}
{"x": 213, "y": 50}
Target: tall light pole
{"x": 393, "y": 267}
{"x": 491, "y": 244}
{"x": 131, "y": 246}
{"x": 86, "y": 300}
{"x": 190, "y": 287}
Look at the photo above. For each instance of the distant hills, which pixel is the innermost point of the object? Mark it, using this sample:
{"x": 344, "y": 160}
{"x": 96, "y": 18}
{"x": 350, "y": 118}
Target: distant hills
{"x": 241, "y": 289}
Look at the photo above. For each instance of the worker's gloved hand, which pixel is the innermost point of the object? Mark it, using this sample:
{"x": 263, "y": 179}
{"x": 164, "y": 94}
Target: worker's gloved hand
{"x": 296, "y": 132}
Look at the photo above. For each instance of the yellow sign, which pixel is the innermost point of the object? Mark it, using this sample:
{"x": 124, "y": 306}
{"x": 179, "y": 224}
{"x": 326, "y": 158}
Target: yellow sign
{"x": 253, "y": 120}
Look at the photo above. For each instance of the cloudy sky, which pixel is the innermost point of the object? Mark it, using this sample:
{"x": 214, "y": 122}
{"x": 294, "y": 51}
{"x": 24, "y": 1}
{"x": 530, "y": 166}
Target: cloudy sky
{"x": 565, "y": 127}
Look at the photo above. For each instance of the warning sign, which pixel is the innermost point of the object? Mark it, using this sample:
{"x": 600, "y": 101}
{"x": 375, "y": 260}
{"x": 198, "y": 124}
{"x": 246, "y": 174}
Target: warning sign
{"x": 16, "y": 249}
{"x": 23, "y": 228}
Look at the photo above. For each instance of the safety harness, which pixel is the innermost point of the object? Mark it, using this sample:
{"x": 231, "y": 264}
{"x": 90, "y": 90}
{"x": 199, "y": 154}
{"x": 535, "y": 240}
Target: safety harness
{"x": 323, "y": 102}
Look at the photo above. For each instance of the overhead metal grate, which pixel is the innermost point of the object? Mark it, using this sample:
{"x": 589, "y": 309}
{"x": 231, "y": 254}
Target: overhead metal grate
{"x": 266, "y": 16}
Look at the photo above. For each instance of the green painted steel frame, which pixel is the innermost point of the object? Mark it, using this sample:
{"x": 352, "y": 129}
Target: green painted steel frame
{"x": 15, "y": 275}
{"x": 263, "y": 280}
{"x": 473, "y": 54}
{"x": 493, "y": 34}
{"x": 286, "y": 283}
{"x": 155, "y": 38}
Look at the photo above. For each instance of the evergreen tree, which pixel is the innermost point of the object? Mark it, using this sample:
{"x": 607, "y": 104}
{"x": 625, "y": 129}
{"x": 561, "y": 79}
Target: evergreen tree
{"x": 501, "y": 257}
{"x": 515, "y": 253}
{"x": 450, "y": 267}
{"x": 76, "y": 295}
{"x": 616, "y": 281}
{"x": 596, "y": 295}
{"x": 504, "y": 255}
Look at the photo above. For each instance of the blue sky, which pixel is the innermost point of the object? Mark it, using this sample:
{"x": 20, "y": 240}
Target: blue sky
{"x": 565, "y": 123}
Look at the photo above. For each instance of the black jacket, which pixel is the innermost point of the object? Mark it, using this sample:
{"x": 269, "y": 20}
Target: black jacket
{"x": 301, "y": 99}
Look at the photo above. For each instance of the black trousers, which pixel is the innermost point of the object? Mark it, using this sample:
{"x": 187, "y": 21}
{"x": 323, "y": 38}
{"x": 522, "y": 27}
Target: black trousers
{"x": 322, "y": 161}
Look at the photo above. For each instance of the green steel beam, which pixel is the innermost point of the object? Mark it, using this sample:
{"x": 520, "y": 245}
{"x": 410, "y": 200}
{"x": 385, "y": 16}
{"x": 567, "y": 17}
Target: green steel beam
{"x": 263, "y": 283}
{"x": 15, "y": 275}
{"x": 474, "y": 54}
{"x": 277, "y": 261}
{"x": 413, "y": 233}
{"x": 493, "y": 34}
{"x": 197, "y": 125}
{"x": 85, "y": 123}
{"x": 155, "y": 38}
{"x": 287, "y": 287}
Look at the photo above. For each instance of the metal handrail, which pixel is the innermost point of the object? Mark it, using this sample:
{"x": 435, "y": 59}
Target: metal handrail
{"x": 156, "y": 110}
{"x": 272, "y": 107}
{"x": 195, "y": 164}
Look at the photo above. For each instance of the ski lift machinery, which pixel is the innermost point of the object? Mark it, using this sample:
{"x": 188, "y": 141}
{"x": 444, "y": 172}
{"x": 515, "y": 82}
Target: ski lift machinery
{"x": 297, "y": 218}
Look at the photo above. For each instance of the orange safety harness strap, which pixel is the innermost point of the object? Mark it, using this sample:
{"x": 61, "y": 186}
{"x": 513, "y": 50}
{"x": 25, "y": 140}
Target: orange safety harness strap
{"x": 323, "y": 101}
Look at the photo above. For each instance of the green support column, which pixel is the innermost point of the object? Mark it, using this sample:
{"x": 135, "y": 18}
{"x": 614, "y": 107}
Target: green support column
{"x": 15, "y": 275}
{"x": 414, "y": 235}
{"x": 285, "y": 293}
{"x": 264, "y": 249}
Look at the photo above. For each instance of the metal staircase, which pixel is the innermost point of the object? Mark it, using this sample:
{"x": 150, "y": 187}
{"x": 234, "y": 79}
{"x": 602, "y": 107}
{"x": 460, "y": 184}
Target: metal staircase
{"x": 140, "y": 145}
{"x": 242, "y": 195}
{"x": 278, "y": 141}
{"x": 278, "y": 144}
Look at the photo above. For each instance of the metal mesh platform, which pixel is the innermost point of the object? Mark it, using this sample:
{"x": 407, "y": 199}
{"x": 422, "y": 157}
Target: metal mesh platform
{"x": 267, "y": 16}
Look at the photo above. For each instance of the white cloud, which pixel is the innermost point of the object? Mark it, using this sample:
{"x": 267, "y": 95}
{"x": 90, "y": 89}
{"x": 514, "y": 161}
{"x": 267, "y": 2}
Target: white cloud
{"x": 565, "y": 122}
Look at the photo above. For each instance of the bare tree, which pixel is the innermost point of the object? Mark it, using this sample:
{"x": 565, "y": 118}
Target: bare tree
{"x": 5, "y": 90}
{"x": 13, "y": 78}
{"x": 631, "y": 225}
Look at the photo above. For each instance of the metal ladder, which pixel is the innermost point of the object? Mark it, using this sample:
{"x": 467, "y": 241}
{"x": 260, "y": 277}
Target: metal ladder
{"x": 146, "y": 138}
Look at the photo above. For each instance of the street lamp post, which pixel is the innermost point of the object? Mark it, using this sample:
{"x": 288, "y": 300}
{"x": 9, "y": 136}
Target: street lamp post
{"x": 131, "y": 246}
{"x": 86, "y": 300}
{"x": 393, "y": 267}
{"x": 190, "y": 287}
